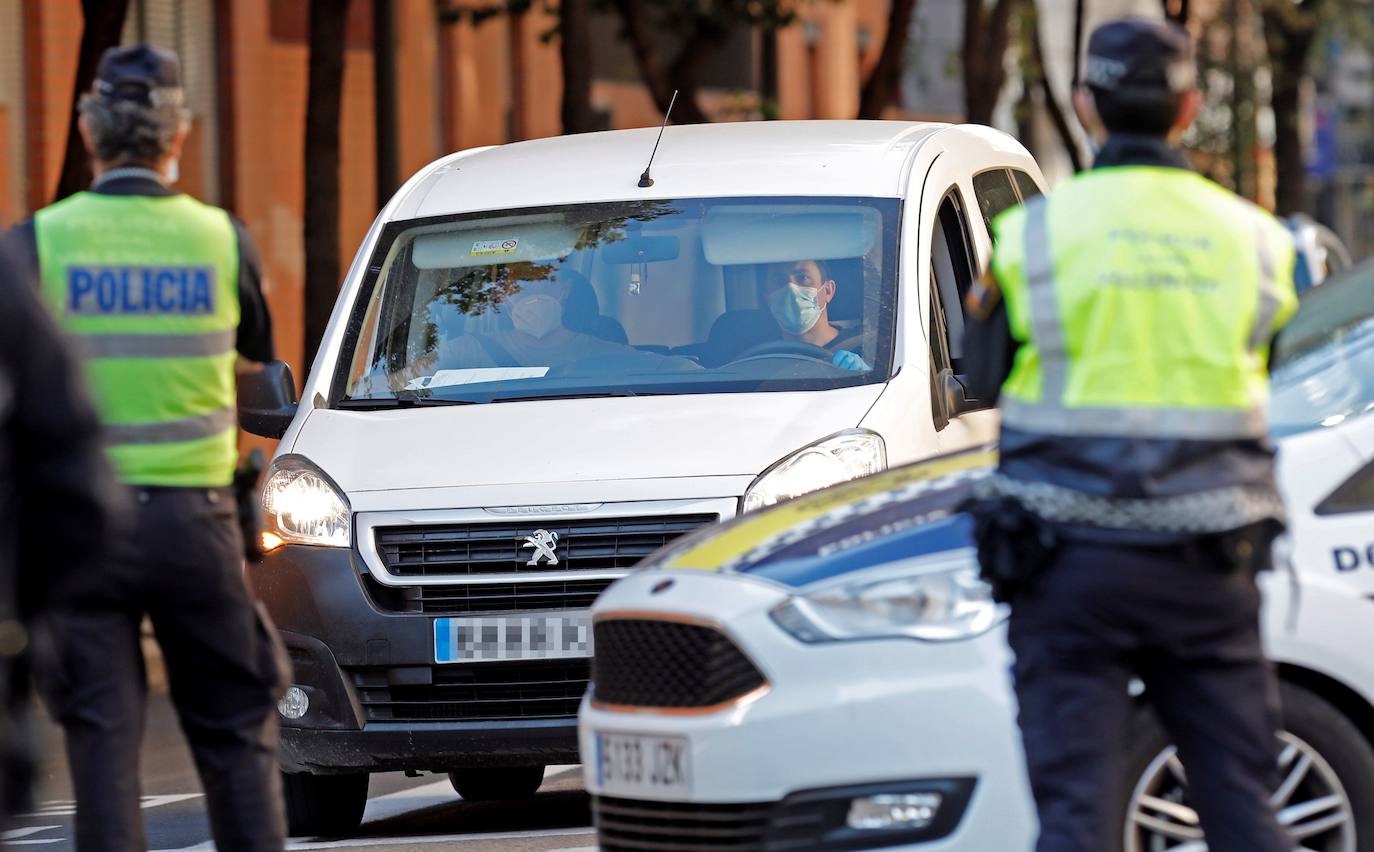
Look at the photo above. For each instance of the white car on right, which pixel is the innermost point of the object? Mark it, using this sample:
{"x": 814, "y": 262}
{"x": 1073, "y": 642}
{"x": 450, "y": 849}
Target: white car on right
{"x": 830, "y": 673}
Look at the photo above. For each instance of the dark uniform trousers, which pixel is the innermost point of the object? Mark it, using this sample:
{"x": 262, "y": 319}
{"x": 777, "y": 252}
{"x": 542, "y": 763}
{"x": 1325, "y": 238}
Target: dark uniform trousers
{"x": 1101, "y": 615}
{"x": 180, "y": 562}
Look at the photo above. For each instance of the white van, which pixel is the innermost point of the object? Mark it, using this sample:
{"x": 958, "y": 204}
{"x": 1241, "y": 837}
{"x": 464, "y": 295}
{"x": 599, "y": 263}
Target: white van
{"x": 541, "y": 369}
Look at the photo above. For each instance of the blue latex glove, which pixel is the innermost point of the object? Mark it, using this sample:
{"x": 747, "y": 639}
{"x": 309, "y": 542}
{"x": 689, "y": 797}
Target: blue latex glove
{"x": 850, "y": 361}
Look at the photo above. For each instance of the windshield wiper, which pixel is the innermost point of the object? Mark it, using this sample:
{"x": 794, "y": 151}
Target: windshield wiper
{"x": 399, "y": 402}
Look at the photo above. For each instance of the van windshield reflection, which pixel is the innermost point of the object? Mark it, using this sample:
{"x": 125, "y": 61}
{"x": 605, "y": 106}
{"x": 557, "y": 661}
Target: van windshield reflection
{"x": 631, "y": 298}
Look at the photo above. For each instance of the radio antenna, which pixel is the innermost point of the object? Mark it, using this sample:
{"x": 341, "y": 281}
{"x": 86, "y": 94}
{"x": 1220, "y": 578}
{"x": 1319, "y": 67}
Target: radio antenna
{"x": 644, "y": 180}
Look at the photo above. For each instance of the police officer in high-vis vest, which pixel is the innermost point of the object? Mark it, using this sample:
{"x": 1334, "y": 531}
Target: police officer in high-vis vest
{"x": 160, "y": 293}
{"x": 1125, "y": 330}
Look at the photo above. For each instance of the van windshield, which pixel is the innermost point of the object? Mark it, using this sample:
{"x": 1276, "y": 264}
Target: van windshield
{"x": 713, "y": 295}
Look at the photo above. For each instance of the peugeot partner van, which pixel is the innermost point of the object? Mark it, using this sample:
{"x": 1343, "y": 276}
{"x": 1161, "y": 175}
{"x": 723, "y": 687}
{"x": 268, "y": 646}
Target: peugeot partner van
{"x": 547, "y": 362}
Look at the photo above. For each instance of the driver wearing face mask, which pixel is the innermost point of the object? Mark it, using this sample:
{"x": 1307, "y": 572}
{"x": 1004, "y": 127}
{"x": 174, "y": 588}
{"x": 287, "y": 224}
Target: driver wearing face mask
{"x": 799, "y": 297}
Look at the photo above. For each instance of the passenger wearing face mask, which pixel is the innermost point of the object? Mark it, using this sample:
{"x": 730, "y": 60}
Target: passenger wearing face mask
{"x": 538, "y": 336}
{"x": 799, "y": 297}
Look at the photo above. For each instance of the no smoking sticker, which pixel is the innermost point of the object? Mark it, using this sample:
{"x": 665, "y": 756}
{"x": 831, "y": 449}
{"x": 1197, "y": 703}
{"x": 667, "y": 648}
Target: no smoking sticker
{"x": 482, "y": 247}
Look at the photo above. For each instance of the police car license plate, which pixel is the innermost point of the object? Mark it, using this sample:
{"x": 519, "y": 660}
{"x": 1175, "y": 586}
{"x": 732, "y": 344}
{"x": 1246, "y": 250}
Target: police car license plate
{"x": 635, "y": 764}
{"x": 528, "y": 636}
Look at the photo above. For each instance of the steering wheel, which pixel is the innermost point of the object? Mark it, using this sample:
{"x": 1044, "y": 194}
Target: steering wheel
{"x": 785, "y": 347}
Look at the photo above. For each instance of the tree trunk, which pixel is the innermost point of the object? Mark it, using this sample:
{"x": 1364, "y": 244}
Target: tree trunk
{"x": 1052, "y": 106}
{"x": 1079, "y": 19}
{"x": 385, "y": 135}
{"x": 986, "y": 35}
{"x": 323, "y": 104}
{"x": 575, "y": 50}
{"x": 1289, "y": 32}
{"x": 659, "y": 82}
{"x": 104, "y": 20}
{"x": 881, "y": 89}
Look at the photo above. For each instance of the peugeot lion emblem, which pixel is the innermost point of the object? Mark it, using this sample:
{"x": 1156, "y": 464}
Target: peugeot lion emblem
{"x": 543, "y": 543}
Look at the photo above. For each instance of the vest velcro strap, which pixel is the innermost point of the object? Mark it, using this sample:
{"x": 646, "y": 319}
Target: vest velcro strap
{"x": 1183, "y": 423}
{"x": 172, "y": 431}
{"x": 205, "y": 345}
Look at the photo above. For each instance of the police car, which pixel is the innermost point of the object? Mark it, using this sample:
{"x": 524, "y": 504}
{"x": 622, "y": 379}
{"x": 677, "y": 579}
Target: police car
{"x": 831, "y": 674}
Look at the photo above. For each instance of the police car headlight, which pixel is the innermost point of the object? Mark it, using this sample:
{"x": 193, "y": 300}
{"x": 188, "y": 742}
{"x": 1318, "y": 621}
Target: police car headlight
{"x": 933, "y": 600}
{"x": 301, "y": 505}
{"x": 848, "y": 455}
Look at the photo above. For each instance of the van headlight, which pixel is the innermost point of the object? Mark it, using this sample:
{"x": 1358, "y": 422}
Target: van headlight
{"x": 936, "y": 601}
{"x": 848, "y": 455}
{"x": 301, "y": 505}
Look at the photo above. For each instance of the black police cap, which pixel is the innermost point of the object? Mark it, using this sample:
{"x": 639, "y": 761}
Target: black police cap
{"x": 135, "y": 73}
{"x": 1140, "y": 54}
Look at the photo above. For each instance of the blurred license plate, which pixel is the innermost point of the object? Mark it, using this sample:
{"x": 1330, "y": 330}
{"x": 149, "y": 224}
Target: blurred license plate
{"x": 540, "y": 636}
{"x": 632, "y": 764}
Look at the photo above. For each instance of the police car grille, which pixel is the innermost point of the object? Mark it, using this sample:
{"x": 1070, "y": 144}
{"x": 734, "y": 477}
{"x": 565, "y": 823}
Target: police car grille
{"x": 591, "y": 544}
{"x": 463, "y": 598}
{"x": 630, "y": 825}
{"x": 647, "y": 663}
{"x": 483, "y": 692}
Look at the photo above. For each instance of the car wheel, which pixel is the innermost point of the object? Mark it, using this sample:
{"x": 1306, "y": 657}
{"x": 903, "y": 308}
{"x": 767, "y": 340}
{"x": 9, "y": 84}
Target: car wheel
{"x": 324, "y": 805}
{"x": 498, "y": 782}
{"x": 1325, "y": 797}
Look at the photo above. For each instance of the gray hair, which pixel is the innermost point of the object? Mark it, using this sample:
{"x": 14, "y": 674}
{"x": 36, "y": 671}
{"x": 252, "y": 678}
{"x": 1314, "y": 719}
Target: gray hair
{"x": 128, "y": 131}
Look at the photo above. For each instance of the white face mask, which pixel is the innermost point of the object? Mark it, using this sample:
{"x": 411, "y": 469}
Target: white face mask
{"x": 797, "y": 309}
{"x": 173, "y": 173}
{"x": 537, "y": 316}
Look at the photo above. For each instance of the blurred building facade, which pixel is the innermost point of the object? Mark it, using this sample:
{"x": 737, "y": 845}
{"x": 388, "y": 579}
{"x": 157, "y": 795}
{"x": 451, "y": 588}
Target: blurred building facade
{"x": 458, "y": 85}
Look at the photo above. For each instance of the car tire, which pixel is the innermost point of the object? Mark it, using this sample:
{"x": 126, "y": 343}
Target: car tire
{"x": 1308, "y": 720}
{"x": 487, "y": 784}
{"x": 324, "y": 805}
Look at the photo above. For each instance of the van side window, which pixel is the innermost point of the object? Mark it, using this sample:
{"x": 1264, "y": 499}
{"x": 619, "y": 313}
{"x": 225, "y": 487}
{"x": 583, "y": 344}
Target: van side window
{"x": 995, "y": 194}
{"x": 1025, "y": 184}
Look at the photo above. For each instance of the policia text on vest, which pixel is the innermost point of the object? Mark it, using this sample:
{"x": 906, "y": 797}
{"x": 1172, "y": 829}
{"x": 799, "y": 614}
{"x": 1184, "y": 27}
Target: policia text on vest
{"x": 155, "y": 291}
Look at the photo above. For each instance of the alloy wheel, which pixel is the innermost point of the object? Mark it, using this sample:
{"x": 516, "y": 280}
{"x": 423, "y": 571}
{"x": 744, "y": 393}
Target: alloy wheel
{"x": 1311, "y": 802}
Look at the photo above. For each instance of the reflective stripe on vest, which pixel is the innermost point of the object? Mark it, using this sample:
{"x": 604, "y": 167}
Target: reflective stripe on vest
{"x": 148, "y": 289}
{"x": 1182, "y": 278}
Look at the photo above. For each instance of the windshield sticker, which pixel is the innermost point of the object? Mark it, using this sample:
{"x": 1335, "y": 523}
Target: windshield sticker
{"x": 484, "y": 247}
{"x": 758, "y": 536}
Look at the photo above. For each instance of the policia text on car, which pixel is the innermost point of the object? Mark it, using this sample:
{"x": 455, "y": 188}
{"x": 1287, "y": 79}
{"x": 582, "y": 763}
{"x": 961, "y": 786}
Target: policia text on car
{"x": 160, "y": 293}
{"x": 1127, "y": 323}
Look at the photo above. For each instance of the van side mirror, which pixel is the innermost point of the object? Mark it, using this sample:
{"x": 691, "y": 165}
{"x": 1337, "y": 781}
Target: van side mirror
{"x": 267, "y": 400}
{"x": 953, "y": 393}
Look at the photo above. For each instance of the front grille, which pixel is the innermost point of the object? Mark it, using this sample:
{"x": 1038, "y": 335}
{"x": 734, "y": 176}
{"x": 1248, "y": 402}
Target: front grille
{"x": 591, "y": 544}
{"x": 462, "y": 599}
{"x": 646, "y": 663}
{"x": 623, "y": 825}
{"x": 481, "y": 692}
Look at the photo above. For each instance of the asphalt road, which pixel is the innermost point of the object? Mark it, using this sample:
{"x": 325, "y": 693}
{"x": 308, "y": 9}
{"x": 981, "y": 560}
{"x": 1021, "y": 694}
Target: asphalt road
{"x": 402, "y": 813}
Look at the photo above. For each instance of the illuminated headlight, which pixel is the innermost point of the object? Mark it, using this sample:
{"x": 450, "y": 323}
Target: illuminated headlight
{"x": 839, "y": 458}
{"x": 301, "y": 505}
{"x": 935, "y": 599}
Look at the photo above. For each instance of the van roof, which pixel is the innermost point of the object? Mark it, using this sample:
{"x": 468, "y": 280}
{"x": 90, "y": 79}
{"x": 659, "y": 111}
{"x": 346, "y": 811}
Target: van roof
{"x": 858, "y": 158}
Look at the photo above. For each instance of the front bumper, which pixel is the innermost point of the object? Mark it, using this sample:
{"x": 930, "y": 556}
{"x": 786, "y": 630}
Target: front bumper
{"x": 344, "y": 649}
{"x": 836, "y": 715}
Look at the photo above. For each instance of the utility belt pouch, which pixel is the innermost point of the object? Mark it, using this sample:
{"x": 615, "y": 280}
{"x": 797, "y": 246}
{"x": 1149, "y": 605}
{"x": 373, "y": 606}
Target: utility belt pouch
{"x": 1014, "y": 546}
{"x": 1248, "y": 550}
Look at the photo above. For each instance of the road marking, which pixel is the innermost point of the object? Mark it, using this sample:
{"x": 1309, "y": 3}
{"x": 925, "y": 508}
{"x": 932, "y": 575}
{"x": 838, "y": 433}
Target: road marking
{"x": 16, "y": 833}
{"x": 67, "y": 807}
{"x": 413, "y": 799}
{"x": 403, "y": 840}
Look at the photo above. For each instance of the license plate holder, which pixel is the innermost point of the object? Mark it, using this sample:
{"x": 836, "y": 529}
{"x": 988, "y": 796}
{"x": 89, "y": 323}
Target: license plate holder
{"x": 513, "y": 636}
